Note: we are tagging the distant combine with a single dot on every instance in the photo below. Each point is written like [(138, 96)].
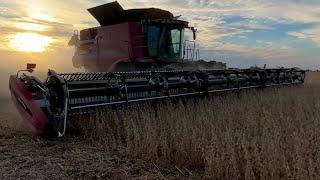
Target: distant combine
[(136, 55)]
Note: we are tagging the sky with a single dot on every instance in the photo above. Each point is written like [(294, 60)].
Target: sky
[(242, 33)]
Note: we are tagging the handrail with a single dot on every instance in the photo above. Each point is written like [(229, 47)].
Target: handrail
[(190, 52)]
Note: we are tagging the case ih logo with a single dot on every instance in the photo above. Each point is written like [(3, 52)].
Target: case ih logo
[(22, 103)]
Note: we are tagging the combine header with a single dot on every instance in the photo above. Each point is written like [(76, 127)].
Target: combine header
[(48, 105)]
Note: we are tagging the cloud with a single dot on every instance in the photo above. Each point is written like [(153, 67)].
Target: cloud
[(264, 52), (312, 34)]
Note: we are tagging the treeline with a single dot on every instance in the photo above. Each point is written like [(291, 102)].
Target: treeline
[(211, 64)]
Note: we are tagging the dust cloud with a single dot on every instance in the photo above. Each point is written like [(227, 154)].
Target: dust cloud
[(11, 62)]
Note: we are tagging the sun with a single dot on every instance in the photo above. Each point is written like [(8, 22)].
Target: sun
[(29, 42)]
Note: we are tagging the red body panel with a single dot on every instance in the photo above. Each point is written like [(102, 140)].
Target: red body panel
[(102, 48), (27, 107)]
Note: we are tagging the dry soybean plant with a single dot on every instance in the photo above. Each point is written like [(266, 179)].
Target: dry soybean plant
[(268, 134)]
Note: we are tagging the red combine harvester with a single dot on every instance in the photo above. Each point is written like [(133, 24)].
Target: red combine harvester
[(147, 41), (134, 39)]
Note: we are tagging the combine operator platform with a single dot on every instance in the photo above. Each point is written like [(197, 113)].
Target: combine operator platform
[(48, 105)]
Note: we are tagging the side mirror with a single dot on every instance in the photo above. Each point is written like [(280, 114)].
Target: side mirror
[(194, 31)]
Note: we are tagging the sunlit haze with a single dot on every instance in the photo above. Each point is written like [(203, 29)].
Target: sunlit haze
[(29, 42)]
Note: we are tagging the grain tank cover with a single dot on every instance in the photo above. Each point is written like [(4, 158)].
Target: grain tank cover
[(113, 13)]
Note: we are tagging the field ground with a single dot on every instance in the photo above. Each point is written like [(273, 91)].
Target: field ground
[(270, 134), (25, 156)]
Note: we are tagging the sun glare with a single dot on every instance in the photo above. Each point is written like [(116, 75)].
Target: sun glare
[(29, 42)]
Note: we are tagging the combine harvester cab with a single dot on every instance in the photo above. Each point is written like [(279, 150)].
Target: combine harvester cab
[(140, 38)]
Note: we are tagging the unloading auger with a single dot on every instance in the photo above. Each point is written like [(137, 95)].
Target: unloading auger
[(48, 105)]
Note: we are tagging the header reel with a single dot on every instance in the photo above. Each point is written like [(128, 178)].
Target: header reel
[(48, 105)]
